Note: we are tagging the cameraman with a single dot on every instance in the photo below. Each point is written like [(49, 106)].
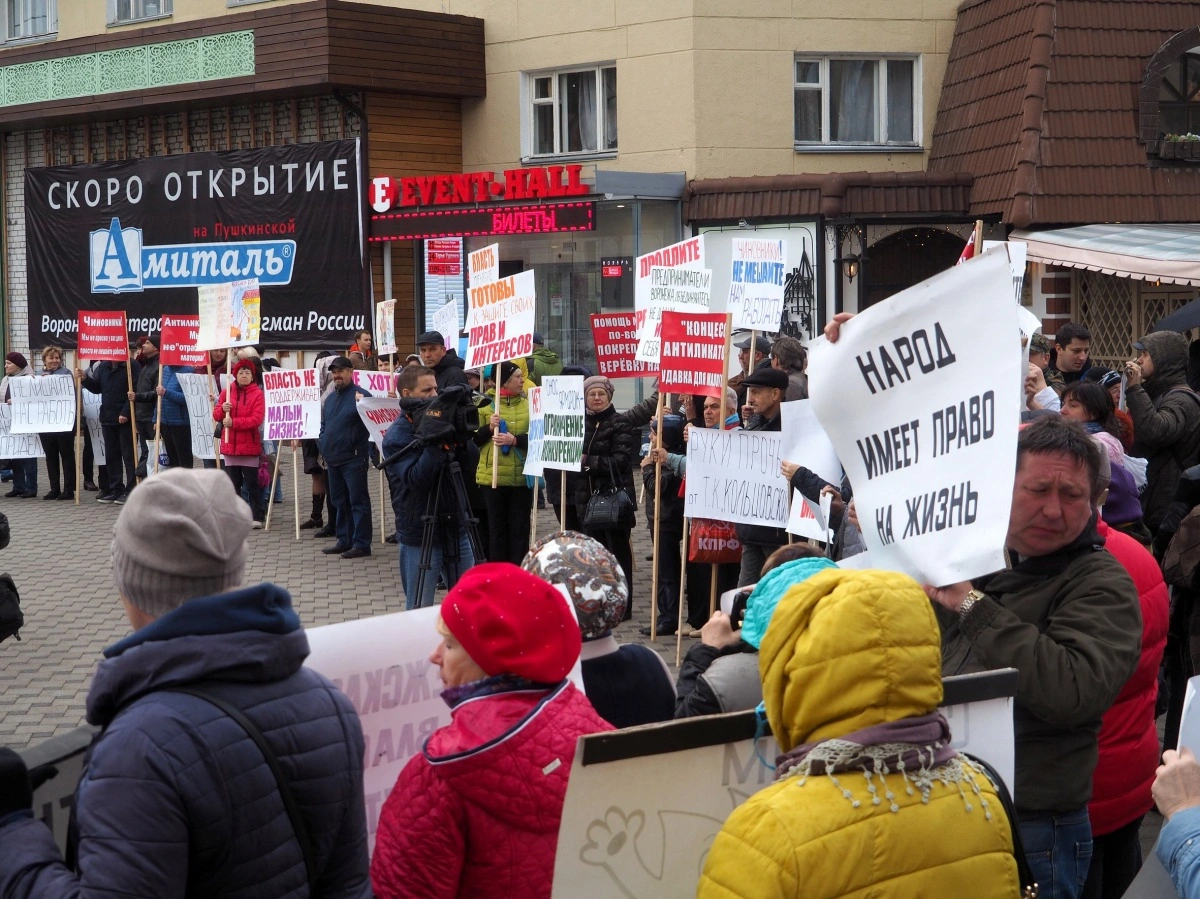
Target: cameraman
[(416, 474)]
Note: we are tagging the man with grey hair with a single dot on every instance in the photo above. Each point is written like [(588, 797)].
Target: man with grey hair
[(1066, 615), (789, 355), (223, 766)]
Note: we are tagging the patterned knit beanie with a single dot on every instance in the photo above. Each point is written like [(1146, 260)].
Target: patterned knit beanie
[(591, 574)]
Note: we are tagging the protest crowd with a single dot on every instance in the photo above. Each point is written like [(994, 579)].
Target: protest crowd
[(224, 765)]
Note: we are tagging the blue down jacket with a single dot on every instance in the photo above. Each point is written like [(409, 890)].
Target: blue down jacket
[(176, 799)]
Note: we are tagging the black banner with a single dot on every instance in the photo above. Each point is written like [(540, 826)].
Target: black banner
[(142, 235)]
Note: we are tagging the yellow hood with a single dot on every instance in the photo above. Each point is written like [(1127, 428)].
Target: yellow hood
[(847, 650)]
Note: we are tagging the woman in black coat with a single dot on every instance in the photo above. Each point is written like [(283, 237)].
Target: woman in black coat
[(610, 448)]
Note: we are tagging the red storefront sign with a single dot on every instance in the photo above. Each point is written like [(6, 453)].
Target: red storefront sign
[(692, 355), (536, 183), (103, 335), (444, 257), (180, 333), (616, 341), (486, 222)]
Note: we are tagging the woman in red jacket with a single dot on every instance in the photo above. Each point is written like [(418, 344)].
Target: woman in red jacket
[(240, 409), (1128, 738), (476, 813)]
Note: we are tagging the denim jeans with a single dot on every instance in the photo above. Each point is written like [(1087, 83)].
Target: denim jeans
[(25, 472), (1059, 849), (450, 569), (352, 500)]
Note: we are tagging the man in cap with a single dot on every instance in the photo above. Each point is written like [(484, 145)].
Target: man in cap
[(544, 362), (177, 796), (761, 359), (447, 367), (345, 444), (765, 389), (1043, 384)]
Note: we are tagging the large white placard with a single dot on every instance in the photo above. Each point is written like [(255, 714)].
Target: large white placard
[(91, 419), (806, 443), (563, 422), (43, 405), (17, 446), (500, 320), (1028, 324), (537, 433), (484, 265), (1018, 256), (378, 413), (445, 322), (685, 254), (734, 476), (230, 314), (293, 400), (671, 290), (920, 398), (385, 328), (638, 820), (376, 383), (756, 284), (200, 410)]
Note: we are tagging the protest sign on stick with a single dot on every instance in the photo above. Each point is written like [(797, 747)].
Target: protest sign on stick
[(677, 289), (615, 337), (293, 404), (533, 453), (200, 413), (734, 476), (920, 398), (91, 420), (445, 322), (484, 265), (756, 284), (693, 353), (806, 443), (563, 422), (685, 254), (378, 413), (17, 446), (656, 441), (103, 336), (180, 334), (43, 405), (376, 383), (385, 328), (230, 314), (500, 320)]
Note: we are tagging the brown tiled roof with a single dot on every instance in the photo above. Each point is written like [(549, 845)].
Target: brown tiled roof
[(1041, 104), (832, 195)]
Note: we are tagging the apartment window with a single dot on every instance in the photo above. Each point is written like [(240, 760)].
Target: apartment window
[(30, 18), (857, 101), (122, 11), (571, 111)]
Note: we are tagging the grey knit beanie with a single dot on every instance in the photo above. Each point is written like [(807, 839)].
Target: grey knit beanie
[(181, 535)]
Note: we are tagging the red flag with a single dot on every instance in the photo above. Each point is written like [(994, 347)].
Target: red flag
[(968, 251)]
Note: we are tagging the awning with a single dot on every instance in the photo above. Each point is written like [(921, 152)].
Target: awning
[(1168, 253)]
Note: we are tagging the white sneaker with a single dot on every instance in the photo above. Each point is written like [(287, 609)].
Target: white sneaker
[(258, 526)]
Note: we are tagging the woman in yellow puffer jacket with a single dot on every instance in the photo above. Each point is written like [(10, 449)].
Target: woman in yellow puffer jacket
[(509, 502), (869, 798)]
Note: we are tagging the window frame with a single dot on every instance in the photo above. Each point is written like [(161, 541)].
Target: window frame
[(114, 22), (49, 35), (884, 145), (528, 104), (233, 4)]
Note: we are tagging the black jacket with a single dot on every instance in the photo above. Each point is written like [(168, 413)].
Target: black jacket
[(610, 449), (144, 390), (451, 370), (761, 535), (696, 694), (109, 380)]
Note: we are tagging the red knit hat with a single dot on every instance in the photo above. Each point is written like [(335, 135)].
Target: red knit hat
[(511, 622), (243, 363)]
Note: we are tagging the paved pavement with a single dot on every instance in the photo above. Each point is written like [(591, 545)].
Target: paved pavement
[(59, 558)]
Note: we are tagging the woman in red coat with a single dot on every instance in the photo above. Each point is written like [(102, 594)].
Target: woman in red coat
[(241, 409), (1128, 738), (476, 813)]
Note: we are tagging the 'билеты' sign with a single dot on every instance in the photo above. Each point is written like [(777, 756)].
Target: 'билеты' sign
[(920, 397), (293, 404), (500, 320), (102, 336), (563, 410), (152, 230), (615, 336), (693, 353)]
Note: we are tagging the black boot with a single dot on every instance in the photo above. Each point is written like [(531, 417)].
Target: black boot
[(315, 520)]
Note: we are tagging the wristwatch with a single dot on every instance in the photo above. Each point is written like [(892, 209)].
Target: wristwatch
[(973, 597)]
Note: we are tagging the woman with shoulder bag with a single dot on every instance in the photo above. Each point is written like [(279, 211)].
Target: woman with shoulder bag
[(506, 425), (601, 500)]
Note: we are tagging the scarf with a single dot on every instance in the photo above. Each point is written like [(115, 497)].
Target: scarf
[(917, 749), (1093, 427), (490, 686)]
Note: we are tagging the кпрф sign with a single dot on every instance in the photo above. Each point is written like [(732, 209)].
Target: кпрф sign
[(143, 235)]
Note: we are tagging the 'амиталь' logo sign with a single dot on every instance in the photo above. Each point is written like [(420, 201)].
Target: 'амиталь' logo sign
[(119, 263)]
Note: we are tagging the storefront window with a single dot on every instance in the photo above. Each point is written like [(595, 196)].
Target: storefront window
[(577, 274)]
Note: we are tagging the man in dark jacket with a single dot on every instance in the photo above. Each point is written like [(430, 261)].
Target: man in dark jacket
[(110, 381), (345, 445), (765, 389), (670, 525), (1166, 418), (176, 798), (1072, 349), (752, 360), (1067, 616), (416, 499), (145, 397), (447, 367)]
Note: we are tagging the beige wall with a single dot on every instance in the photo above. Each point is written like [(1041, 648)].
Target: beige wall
[(704, 86)]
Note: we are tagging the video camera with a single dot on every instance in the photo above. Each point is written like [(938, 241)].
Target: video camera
[(448, 418)]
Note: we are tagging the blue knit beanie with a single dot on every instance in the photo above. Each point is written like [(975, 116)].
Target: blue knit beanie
[(762, 602)]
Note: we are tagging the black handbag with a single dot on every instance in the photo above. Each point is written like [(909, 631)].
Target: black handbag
[(610, 508), (1029, 888)]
